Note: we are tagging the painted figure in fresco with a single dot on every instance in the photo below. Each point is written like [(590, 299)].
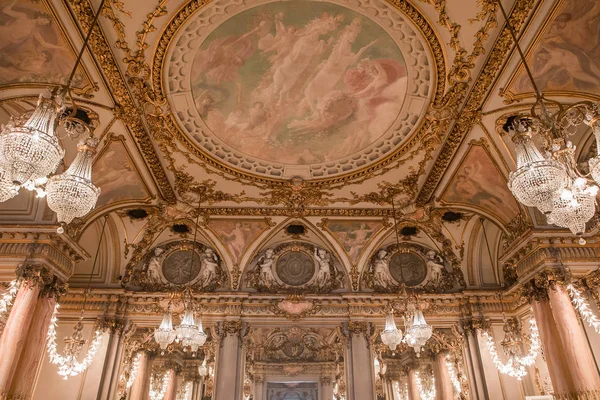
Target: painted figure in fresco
[(154, 265), (25, 50), (324, 273), (435, 267), (568, 55), (333, 69), (221, 61), (236, 240), (307, 45), (208, 267), (306, 90), (265, 263), (381, 268)]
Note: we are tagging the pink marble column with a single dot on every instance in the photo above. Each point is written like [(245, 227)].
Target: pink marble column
[(171, 392), (413, 390), (577, 353), (557, 367), (13, 339), (443, 383), (32, 353), (141, 383)]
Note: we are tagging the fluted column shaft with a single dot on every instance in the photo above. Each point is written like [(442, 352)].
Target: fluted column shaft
[(413, 389), (577, 353), (229, 367), (14, 337), (172, 386), (443, 383), (141, 383), (33, 350)]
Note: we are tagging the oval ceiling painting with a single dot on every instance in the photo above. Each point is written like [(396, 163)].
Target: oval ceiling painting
[(297, 88), (294, 84)]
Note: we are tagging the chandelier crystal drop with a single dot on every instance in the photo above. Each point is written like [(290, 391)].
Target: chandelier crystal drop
[(68, 363), (165, 334), (8, 189), (391, 335), (419, 332), (537, 180), (31, 151), (72, 194)]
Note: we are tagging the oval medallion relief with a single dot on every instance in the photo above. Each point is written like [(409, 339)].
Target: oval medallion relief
[(176, 267), (408, 268), (295, 268)]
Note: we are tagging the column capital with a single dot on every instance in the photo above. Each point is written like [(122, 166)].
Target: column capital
[(359, 328), (40, 275), (473, 324)]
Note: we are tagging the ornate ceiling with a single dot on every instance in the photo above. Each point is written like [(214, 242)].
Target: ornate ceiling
[(321, 115)]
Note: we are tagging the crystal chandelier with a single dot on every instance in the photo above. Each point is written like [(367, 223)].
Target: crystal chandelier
[(419, 332), (135, 366), (68, 363), (189, 332), (164, 335), (391, 335), (30, 151), (550, 179), (72, 194)]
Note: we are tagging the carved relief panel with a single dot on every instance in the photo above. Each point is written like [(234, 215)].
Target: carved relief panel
[(295, 267), (176, 264), (412, 265)]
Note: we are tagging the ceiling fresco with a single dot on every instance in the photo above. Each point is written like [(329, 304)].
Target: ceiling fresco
[(298, 88), (565, 56), (33, 47), (249, 116)]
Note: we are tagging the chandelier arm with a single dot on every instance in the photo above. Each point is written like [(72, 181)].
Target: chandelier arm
[(83, 47), (538, 94)]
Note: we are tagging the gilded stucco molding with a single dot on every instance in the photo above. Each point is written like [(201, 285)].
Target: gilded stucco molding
[(126, 109), (204, 161), (470, 112)]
